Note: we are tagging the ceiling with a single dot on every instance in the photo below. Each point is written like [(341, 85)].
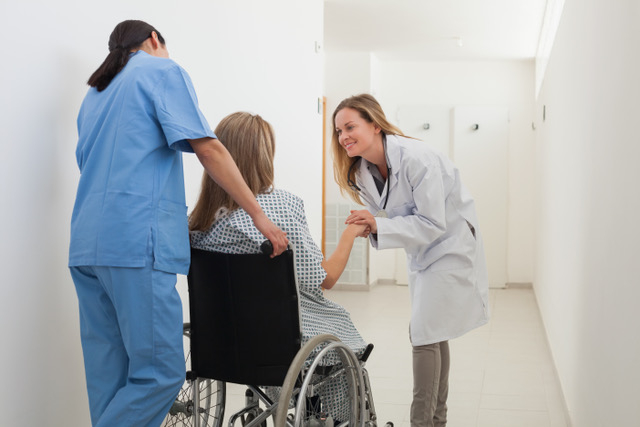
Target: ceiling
[(435, 29)]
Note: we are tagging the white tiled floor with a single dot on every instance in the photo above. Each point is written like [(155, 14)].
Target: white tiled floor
[(501, 374)]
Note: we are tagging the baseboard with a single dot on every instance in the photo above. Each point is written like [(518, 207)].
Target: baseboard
[(565, 407), (519, 285), (384, 282), (351, 287), (365, 287)]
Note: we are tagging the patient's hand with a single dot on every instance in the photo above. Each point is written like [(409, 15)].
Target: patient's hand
[(335, 264), (360, 230), (363, 217)]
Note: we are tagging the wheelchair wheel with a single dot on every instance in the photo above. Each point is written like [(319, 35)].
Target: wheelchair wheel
[(209, 410), (326, 390), (252, 416)]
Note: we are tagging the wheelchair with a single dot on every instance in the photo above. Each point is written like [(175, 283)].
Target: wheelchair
[(245, 329)]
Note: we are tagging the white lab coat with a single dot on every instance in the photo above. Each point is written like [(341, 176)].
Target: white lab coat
[(432, 216)]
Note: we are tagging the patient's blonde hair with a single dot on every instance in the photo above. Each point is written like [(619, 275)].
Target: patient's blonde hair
[(251, 142)]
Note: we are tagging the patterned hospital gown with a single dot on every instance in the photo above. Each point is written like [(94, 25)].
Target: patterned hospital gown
[(234, 232)]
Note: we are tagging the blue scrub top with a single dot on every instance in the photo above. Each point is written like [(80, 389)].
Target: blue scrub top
[(131, 192)]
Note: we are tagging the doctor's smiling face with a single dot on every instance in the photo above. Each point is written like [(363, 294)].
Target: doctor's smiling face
[(356, 135)]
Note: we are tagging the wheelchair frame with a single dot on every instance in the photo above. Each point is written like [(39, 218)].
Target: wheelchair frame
[(202, 400)]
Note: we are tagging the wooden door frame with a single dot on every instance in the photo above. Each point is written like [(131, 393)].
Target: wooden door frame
[(324, 182)]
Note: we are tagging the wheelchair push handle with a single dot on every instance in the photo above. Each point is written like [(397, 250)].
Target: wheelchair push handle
[(266, 247)]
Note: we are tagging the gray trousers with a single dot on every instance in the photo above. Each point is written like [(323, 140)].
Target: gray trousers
[(430, 385)]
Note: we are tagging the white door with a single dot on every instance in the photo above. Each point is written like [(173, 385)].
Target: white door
[(481, 156), (430, 124)]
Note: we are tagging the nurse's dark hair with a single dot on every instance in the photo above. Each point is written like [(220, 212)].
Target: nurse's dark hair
[(371, 111), (126, 36), (251, 142)]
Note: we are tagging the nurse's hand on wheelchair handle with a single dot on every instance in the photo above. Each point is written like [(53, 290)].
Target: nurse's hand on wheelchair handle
[(271, 232), (267, 248)]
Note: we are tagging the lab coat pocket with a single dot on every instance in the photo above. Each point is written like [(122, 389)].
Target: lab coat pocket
[(460, 254), (171, 251)]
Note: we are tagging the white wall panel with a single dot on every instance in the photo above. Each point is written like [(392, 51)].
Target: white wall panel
[(242, 55), (587, 270)]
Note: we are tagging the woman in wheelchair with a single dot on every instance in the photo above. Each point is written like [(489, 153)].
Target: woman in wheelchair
[(218, 224)]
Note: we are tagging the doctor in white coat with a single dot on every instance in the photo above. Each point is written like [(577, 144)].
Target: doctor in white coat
[(415, 201)]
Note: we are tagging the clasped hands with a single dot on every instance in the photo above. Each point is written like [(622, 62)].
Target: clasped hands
[(364, 221)]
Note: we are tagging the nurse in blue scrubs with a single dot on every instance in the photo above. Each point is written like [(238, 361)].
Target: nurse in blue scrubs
[(129, 233)]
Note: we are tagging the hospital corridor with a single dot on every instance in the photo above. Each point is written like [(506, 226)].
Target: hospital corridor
[(535, 102), (502, 374)]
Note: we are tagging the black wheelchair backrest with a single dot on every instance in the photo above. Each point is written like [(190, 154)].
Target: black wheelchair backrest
[(245, 322)]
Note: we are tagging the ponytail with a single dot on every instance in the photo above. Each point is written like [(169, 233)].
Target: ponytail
[(115, 61), (126, 36)]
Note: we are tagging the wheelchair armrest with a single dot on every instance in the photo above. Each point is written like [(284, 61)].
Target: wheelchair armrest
[(367, 353)]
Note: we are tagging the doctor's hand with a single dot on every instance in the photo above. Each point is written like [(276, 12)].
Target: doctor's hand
[(363, 217)]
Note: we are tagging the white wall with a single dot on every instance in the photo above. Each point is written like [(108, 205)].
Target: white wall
[(587, 273), (453, 83), (346, 74), (242, 55)]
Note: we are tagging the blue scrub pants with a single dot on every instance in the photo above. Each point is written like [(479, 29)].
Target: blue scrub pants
[(131, 330)]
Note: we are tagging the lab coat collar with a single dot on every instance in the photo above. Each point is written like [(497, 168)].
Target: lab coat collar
[(394, 158), (365, 179)]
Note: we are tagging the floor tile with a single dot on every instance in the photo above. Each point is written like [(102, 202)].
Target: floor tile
[(511, 418), (502, 374)]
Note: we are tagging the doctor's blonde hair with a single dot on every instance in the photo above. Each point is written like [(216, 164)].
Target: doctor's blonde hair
[(251, 142), (371, 111)]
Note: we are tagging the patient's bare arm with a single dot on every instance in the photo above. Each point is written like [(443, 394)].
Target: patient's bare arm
[(335, 264)]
